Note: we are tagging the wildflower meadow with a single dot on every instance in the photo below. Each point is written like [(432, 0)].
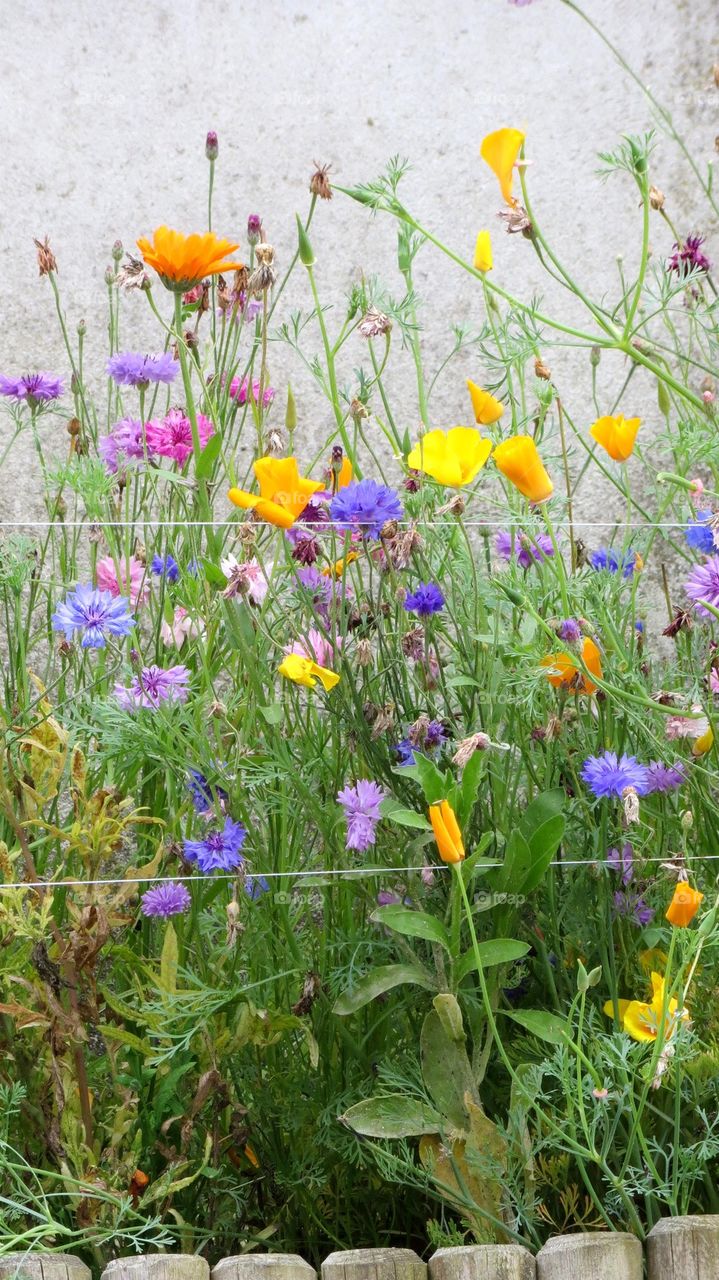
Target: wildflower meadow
[(358, 804)]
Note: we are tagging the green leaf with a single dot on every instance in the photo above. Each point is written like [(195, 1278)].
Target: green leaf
[(436, 785), (446, 1069), (273, 713), (213, 575), (168, 960), (379, 980), (404, 817), (392, 1117), (545, 1026), (411, 923), (492, 952), (469, 788), (208, 457), (109, 1031)]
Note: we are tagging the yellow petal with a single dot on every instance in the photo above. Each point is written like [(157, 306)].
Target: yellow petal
[(483, 260), (486, 408), (328, 678), (500, 150)]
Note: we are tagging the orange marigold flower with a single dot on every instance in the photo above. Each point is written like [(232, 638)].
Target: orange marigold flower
[(684, 905), (562, 671), (500, 150), (182, 262), (446, 832), (518, 460), (616, 435)]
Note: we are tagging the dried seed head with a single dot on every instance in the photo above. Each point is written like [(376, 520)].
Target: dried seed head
[(630, 800), (656, 198), (320, 183), (46, 260), (364, 652), (468, 746), (358, 411), (74, 427), (541, 370), (275, 442), (374, 324), (412, 643), (264, 275), (456, 506), (132, 275), (517, 220)]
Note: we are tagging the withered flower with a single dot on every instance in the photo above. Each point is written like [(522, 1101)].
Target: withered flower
[(264, 275), (517, 219), (46, 260), (374, 324), (319, 182)]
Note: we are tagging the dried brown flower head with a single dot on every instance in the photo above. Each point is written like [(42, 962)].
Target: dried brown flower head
[(132, 275), (46, 260), (264, 275), (374, 324), (517, 220), (656, 198), (541, 370), (319, 182)]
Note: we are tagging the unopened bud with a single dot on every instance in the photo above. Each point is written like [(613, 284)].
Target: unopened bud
[(595, 356), (117, 250), (81, 328), (211, 146), (656, 198), (109, 275), (254, 229)]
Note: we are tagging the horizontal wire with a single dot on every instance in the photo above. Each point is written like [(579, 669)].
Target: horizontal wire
[(319, 527)]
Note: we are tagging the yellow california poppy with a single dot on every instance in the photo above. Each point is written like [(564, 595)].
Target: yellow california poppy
[(500, 150), (451, 457), (642, 1020), (483, 259), (518, 460), (486, 408), (446, 832), (183, 261), (306, 672), (616, 434), (283, 495)]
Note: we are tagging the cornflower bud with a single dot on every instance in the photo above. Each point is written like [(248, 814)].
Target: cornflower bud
[(211, 146)]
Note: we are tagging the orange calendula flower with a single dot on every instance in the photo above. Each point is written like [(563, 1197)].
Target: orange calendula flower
[(518, 460), (283, 495), (306, 672), (183, 261), (616, 435), (642, 1020), (500, 150), (446, 832), (451, 457), (684, 905), (483, 260), (486, 409), (562, 671)]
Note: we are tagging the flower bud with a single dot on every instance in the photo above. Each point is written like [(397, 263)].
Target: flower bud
[(211, 146), (254, 228), (656, 198), (117, 251)]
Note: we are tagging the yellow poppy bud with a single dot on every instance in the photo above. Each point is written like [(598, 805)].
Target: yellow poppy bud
[(684, 905), (518, 460), (486, 409), (704, 743), (483, 260), (616, 435), (446, 832)]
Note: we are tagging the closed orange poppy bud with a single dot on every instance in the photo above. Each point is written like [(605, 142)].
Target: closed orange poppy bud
[(518, 460), (446, 832), (684, 905), (616, 434)]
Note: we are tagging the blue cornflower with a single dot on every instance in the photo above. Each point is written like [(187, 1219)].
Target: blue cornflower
[(220, 850), (404, 752), (427, 599), (605, 558), (166, 567), (665, 777), (569, 630), (365, 506), (37, 389), (205, 794), (698, 534), (132, 369), (255, 886), (96, 613), (610, 774)]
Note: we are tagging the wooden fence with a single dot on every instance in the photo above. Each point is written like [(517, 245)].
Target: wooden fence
[(676, 1249)]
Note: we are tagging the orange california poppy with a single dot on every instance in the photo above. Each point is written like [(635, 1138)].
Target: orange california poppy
[(446, 832), (183, 261), (518, 460), (684, 905), (562, 671), (500, 150), (616, 435), (485, 407)]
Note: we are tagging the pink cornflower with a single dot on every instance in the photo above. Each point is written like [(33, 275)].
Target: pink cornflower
[(686, 727), (244, 579), (107, 578), (182, 626), (239, 390), (697, 490), (316, 646), (171, 436)]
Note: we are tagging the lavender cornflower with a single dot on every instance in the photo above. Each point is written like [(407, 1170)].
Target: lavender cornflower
[(689, 256), (97, 614), (632, 905), (35, 388), (132, 369), (664, 777), (569, 630), (361, 805), (426, 600), (622, 862), (364, 506), (435, 735), (153, 686), (605, 558), (703, 584), (610, 774), (255, 886), (166, 567), (526, 551), (698, 534), (405, 753), (220, 850), (205, 794), (122, 445), (165, 900)]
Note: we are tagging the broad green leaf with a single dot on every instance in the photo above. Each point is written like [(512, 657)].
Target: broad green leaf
[(434, 783), (411, 923), (404, 817), (469, 787), (213, 575), (168, 960), (379, 980), (392, 1117), (492, 952), (446, 1069), (208, 457), (545, 1026), (274, 713)]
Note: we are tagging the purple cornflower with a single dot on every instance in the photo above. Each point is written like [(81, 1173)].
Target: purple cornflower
[(364, 506), (698, 534), (35, 388), (166, 567), (526, 550), (361, 805), (386, 898), (220, 850), (255, 886), (305, 547), (664, 777), (98, 614), (435, 735), (632, 905), (254, 228), (165, 900), (205, 794), (153, 686), (426, 600), (123, 444), (703, 584), (622, 861), (605, 558), (689, 257), (404, 752), (132, 369), (610, 774), (569, 630)]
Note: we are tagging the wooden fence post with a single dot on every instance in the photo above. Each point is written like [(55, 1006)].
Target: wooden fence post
[(684, 1248), (483, 1262), (42, 1266), (264, 1266), (374, 1264), (158, 1266), (598, 1255)]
